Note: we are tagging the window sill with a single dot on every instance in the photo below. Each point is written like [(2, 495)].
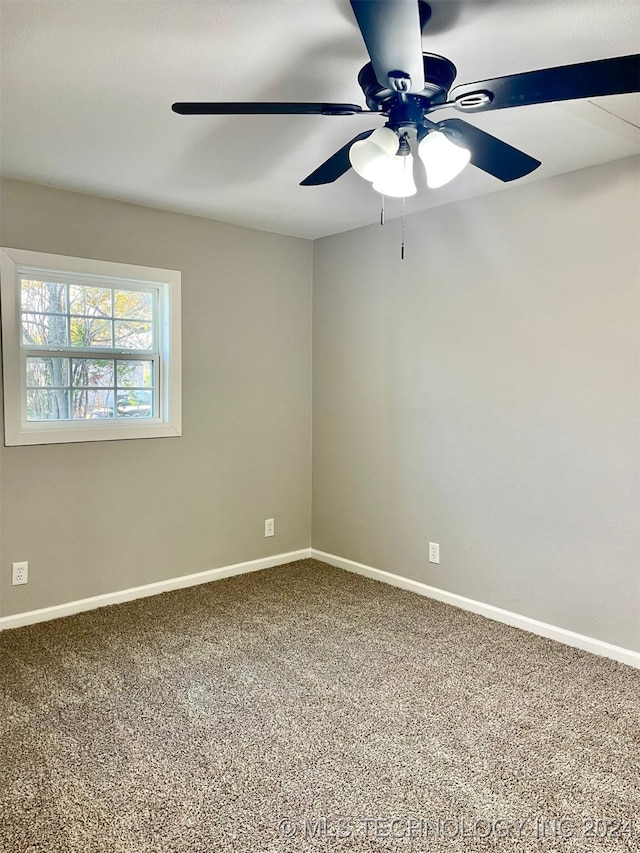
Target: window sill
[(65, 433)]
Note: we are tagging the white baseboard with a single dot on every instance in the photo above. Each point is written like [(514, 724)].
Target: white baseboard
[(552, 632), (59, 610)]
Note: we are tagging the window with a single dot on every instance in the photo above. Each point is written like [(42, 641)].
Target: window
[(91, 349)]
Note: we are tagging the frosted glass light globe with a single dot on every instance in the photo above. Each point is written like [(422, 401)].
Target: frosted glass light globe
[(443, 160), (397, 180), (370, 157)]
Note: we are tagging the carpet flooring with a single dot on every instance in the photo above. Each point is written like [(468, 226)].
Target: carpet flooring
[(302, 709)]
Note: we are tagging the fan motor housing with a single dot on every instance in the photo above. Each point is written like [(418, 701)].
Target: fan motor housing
[(439, 74)]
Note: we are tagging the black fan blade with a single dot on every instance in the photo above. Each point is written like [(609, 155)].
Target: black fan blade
[(490, 154), (335, 166), (565, 83), (234, 108), (393, 37), (424, 12)]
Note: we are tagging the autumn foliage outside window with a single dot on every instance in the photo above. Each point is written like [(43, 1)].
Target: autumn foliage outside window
[(90, 325)]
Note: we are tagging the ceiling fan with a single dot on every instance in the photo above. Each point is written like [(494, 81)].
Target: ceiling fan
[(406, 85)]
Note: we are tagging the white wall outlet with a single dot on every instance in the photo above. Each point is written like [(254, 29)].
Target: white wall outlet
[(20, 573), (434, 552), (269, 527)]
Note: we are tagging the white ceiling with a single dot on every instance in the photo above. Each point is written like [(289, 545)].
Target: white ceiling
[(87, 88)]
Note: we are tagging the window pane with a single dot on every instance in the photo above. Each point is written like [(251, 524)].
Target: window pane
[(47, 372), (90, 403), (133, 305), (90, 333), (135, 374), (44, 330), (95, 301), (43, 296), (47, 405), (133, 335), (92, 371), (135, 404)]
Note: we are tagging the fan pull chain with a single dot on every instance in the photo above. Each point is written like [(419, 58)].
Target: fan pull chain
[(382, 212), (404, 209)]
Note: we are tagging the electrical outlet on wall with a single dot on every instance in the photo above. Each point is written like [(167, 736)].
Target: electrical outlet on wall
[(20, 573), (269, 527), (434, 552)]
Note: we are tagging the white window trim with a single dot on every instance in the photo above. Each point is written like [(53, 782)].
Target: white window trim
[(18, 431)]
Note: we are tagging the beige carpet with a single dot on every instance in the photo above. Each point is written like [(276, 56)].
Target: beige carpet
[(306, 709)]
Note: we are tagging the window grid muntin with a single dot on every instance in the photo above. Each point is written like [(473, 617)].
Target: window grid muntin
[(114, 284), (113, 353), (153, 390)]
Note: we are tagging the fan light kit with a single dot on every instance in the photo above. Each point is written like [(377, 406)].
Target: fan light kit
[(405, 85), (385, 160)]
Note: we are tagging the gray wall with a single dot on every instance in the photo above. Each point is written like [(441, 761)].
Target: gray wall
[(97, 517), (485, 394)]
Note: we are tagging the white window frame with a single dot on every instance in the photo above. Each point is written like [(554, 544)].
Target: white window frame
[(168, 422)]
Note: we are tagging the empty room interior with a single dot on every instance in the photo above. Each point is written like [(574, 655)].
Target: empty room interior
[(320, 470)]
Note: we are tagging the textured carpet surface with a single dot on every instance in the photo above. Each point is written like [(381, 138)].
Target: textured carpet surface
[(306, 709)]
